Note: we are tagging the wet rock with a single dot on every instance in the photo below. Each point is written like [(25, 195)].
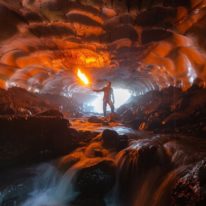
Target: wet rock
[(88, 201), (96, 179), (190, 188), (110, 139), (34, 139), (105, 123), (123, 142), (21, 102), (18, 101), (85, 137), (67, 105), (175, 119), (95, 119), (168, 110), (136, 165), (114, 117), (6, 110), (51, 112), (95, 150)]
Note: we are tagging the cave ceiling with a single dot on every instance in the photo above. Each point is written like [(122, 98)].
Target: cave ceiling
[(137, 44)]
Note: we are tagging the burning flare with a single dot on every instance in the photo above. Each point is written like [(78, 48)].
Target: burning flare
[(82, 77)]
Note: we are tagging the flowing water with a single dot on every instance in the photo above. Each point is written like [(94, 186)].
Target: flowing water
[(146, 173), (149, 167)]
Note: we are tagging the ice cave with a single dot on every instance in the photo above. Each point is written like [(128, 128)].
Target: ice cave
[(102, 102)]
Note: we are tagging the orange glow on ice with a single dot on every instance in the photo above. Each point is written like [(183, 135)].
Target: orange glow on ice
[(90, 60)]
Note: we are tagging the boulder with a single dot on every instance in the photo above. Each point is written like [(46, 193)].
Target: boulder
[(82, 200), (95, 119), (51, 112), (191, 186), (114, 117), (34, 138), (95, 179), (18, 101), (110, 139)]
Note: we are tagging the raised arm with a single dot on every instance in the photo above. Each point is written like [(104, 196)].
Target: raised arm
[(98, 90)]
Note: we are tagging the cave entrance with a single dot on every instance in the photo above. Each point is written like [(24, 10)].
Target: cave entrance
[(95, 105)]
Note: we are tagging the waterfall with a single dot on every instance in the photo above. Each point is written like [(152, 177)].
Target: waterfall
[(146, 174), (50, 187), (149, 168)]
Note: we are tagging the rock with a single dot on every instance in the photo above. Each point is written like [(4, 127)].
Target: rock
[(95, 179), (19, 101), (105, 123), (34, 138), (191, 186), (64, 141), (138, 163), (84, 137), (110, 139), (95, 119), (175, 118), (114, 117), (154, 122), (95, 150), (66, 105), (168, 110), (6, 110), (88, 201), (51, 112), (123, 142), (113, 141)]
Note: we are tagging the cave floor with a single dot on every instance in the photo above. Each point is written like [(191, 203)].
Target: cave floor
[(31, 184), (83, 124)]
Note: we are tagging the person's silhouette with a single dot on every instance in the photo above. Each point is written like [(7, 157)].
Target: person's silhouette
[(108, 97)]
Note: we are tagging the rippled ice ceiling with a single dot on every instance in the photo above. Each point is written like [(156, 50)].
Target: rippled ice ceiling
[(137, 44)]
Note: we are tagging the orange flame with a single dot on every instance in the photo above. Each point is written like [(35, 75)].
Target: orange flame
[(82, 77)]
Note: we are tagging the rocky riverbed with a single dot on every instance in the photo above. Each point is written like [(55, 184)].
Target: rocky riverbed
[(50, 160)]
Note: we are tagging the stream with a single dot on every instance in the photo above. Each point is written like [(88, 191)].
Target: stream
[(146, 171)]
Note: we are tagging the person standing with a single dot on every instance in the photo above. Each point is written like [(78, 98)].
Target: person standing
[(108, 98)]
